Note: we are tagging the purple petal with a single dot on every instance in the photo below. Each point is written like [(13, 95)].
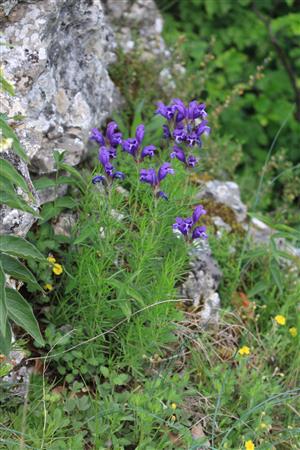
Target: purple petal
[(198, 212), (97, 136), (148, 151), (111, 129), (164, 170), (192, 161), (178, 153), (183, 225), (109, 169), (161, 194), (179, 135), (130, 146), (140, 132), (103, 156), (112, 152), (119, 175), (166, 132), (199, 232), (98, 179), (148, 176), (180, 108), (202, 128), (165, 111)]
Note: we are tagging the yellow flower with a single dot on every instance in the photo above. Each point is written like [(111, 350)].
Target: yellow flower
[(51, 259), (173, 405), (263, 425), (57, 269), (249, 445), (244, 350), (48, 287), (293, 331), (173, 418), (281, 320)]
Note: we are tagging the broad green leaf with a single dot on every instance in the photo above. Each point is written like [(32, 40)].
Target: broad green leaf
[(3, 308), (21, 312), (8, 171), (8, 132), (46, 182), (66, 202), (13, 267), (17, 246), (5, 341), (14, 201), (86, 232)]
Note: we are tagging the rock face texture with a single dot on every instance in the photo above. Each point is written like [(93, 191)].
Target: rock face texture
[(58, 65), (137, 24)]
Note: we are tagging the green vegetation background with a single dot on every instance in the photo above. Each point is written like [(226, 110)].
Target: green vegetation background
[(243, 59)]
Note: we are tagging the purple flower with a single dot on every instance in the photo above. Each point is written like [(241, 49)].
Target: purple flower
[(164, 170), (178, 153), (112, 136), (166, 132), (148, 151), (186, 226), (112, 152), (202, 128), (119, 175), (165, 111), (191, 161), (180, 109), (132, 145), (192, 139), (98, 179), (161, 194), (198, 212), (179, 135), (140, 132), (199, 232), (196, 110), (97, 136), (103, 156), (148, 176), (109, 169), (183, 225)]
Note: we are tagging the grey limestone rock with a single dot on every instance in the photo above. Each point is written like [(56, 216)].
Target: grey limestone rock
[(202, 282), (228, 193), (58, 64)]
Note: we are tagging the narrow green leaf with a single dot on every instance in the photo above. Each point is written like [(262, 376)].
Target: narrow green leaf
[(17, 246), (3, 308), (13, 267), (21, 312), (5, 341), (8, 132), (276, 274), (8, 171), (6, 86), (75, 174)]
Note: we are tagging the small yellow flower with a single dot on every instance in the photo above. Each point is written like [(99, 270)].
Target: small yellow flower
[(281, 320), (173, 406), (263, 425), (51, 259), (57, 269), (249, 445), (293, 331), (244, 350), (48, 287)]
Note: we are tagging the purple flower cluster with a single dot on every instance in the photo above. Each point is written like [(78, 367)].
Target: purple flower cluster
[(108, 150), (133, 146), (187, 226), (154, 179), (186, 125)]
